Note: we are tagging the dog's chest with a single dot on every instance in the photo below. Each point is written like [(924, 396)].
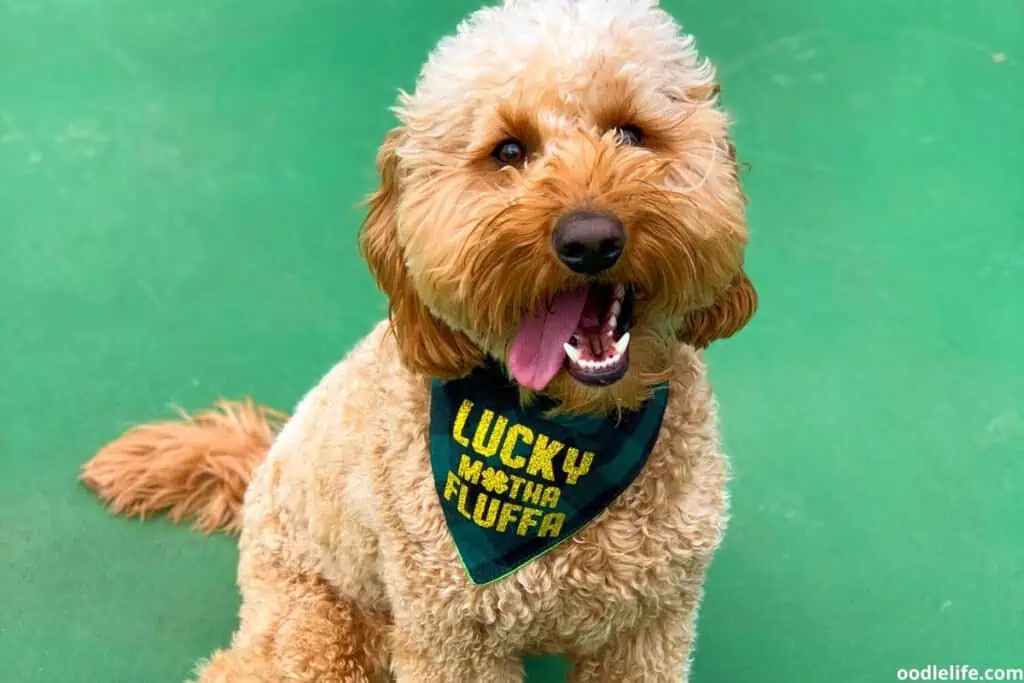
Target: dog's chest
[(646, 553)]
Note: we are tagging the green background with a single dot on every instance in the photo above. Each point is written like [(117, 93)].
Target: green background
[(177, 183)]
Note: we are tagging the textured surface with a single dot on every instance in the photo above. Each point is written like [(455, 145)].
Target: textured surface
[(176, 224)]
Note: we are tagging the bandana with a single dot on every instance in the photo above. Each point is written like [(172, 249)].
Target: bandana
[(515, 482)]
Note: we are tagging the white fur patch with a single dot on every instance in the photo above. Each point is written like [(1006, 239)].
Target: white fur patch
[(565, 42)]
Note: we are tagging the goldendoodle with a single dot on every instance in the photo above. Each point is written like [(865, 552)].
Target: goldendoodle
[(524, 458)]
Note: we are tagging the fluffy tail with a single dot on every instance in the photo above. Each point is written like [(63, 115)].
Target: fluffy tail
[(197, 467)]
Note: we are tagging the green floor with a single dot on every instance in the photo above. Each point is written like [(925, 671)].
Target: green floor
[(176, 191)]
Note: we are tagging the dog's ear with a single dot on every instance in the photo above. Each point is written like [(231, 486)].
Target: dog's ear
[(426, 344), (734, 307), (731, 310)]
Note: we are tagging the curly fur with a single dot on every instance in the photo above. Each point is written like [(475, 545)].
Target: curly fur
[(195, 468), (347, 571)]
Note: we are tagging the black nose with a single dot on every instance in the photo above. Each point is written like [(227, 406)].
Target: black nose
[(589, 242)]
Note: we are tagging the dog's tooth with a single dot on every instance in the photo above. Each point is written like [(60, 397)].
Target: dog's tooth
[(613, 321), (616, 308), (620, 291), (572, 352), (622, 344)]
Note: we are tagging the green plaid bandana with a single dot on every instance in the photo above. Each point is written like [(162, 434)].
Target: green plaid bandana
[(514, 482)]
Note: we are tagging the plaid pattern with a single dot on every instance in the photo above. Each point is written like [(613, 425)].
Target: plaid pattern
[(513, 506)]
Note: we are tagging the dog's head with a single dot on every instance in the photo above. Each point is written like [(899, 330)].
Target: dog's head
[(561, 194)]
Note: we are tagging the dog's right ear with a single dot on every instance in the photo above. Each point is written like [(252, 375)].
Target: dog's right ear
[(427, 345)]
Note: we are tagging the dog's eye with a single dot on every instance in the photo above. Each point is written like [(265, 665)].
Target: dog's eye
[(509, 152), (630, 135)]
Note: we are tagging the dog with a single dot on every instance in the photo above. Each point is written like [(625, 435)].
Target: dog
[(560, 231)]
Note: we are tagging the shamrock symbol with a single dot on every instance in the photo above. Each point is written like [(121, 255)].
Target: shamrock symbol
[(495, 481)]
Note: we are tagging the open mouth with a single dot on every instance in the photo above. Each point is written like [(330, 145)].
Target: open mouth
[(598, 351), (584, 330)]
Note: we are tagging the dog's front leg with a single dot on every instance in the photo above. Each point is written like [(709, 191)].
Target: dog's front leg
[(435, 655), (657, 652)]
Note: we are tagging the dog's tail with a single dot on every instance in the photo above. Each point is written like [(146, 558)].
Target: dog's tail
[(196, 468)]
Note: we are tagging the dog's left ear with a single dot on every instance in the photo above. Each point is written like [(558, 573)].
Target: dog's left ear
[(730, 312), (734, 307), (426, 344)]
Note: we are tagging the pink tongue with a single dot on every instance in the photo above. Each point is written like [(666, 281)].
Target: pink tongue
[(537, 355)]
